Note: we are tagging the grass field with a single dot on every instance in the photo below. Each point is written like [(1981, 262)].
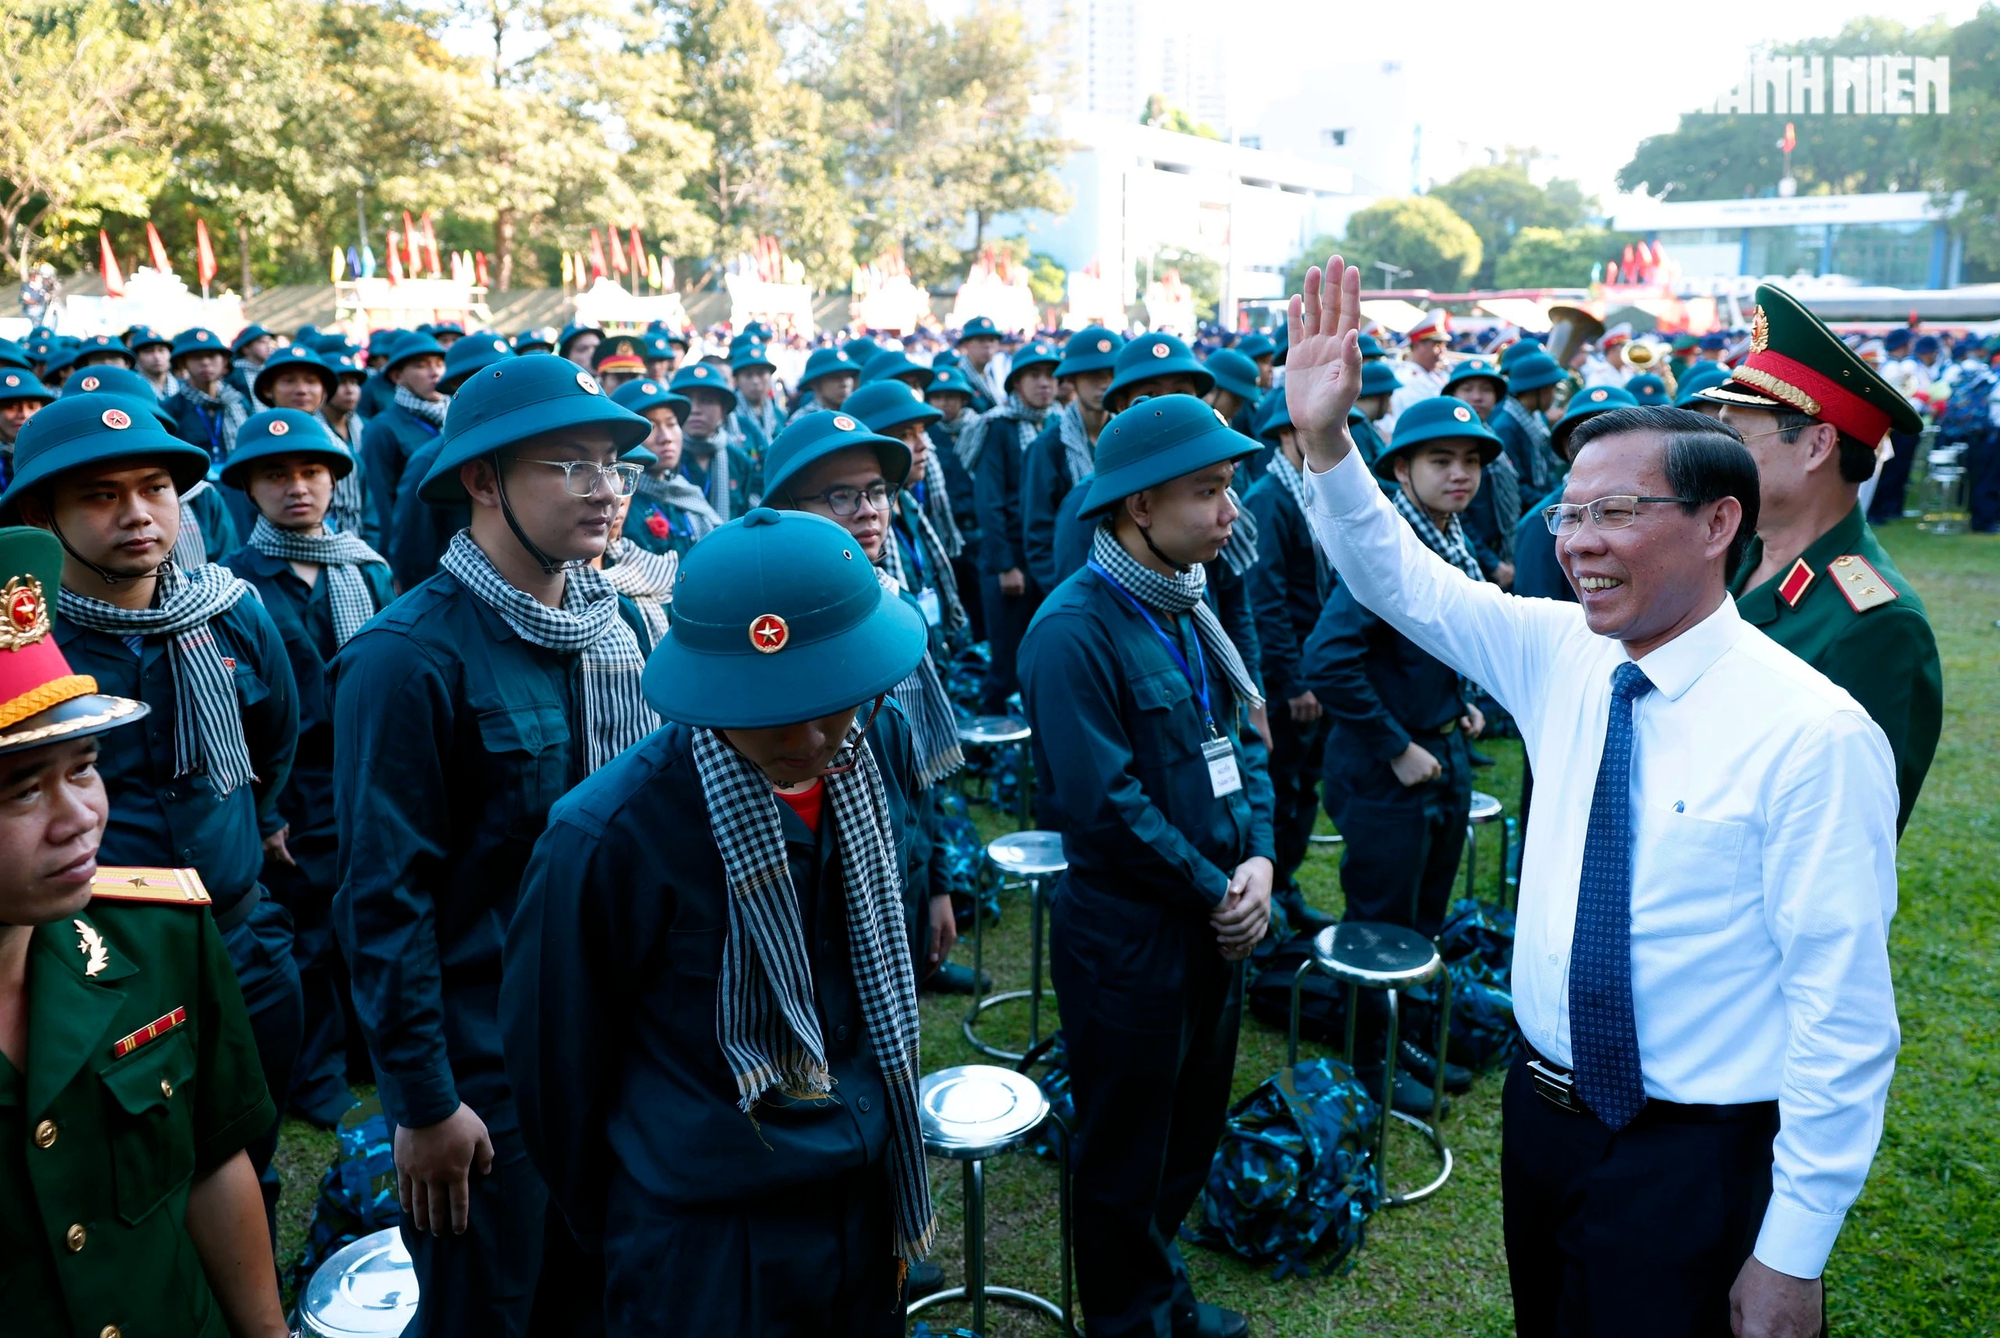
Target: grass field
[(1909, 1261)]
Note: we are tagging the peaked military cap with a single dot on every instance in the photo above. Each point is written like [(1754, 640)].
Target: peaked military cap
[(621, 353), (41, 699), (1796, 363)]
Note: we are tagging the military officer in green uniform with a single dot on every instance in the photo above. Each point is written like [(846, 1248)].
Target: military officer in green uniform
[(129, 1079), (1815, 580)]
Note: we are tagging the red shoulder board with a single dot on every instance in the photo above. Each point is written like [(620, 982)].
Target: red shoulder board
[(182, 887), (1793, 588), (1862, 584)]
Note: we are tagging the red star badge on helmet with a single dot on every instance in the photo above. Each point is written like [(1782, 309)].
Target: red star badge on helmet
[(768, 633)]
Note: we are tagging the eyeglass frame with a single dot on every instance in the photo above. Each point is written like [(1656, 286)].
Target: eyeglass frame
[(1552, 515), (613, 474), (825, 496)]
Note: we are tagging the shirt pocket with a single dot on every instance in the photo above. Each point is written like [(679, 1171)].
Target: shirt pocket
[(250, 685), (150, 1121), (1684, 874), (1158, 739), (528, 755)]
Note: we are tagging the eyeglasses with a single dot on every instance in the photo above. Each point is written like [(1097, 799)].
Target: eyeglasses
[(580, 477), (1607, 513), (844, 501)]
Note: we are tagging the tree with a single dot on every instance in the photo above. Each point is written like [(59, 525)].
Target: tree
[(1200, 273), (72, 140), (1163, 115), (1047, 280), (1499, 201), (1417, 233), (1556, 258), (1959, 149)]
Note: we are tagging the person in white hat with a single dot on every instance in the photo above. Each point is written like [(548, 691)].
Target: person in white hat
[(1422, 371)]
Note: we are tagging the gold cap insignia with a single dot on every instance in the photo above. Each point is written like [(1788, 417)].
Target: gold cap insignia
[(27, 613), (768, 633), (1760, 330)]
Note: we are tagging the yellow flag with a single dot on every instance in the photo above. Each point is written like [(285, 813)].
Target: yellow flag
[(653, 272), (339, 265), (568, 274)]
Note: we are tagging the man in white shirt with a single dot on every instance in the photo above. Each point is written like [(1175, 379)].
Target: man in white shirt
[(1701, 967)]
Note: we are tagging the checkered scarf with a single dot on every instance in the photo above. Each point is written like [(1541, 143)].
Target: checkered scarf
[(208, 718), (1027, 424), (1173, 596), (1448, 543), (1294, 483), (350, 498), (677, 491), (615, 714), (1542, 463), (1079, 453), (431, 411), (933, 722), (765, 1020), (191, 546), (1240, 552), (718, 472), (937, 510), (647, 579), (341, 556), (937, 563), (228, 403)]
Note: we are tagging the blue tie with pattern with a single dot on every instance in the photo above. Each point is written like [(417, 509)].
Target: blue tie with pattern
[(1603, 1041)]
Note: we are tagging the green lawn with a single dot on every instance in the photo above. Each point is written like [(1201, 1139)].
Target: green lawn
[(1908, 1262)]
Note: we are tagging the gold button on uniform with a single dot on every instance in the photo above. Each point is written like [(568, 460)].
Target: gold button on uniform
[(45, 1134), (166, 1088), (108, 1331), (75, 1237)]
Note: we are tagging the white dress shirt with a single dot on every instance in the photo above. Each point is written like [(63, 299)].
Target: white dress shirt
[(1418, 384), (1763, 828)]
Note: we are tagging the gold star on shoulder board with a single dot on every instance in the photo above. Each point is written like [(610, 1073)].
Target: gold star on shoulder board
[(1860, 583)]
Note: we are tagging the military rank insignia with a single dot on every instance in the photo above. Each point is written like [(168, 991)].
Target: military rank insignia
[(174, 886), (1793, 588), (1862, 584), (149, 1033)]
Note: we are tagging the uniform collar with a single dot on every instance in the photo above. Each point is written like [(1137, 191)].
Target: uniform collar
[(69, 1011), (1673, 668), (1762, 605)]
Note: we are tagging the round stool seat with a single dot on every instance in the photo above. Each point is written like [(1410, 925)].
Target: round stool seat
[(1029, 854), (976, 1110), (370, 1287), (1485, 808), (1378, 955), (993, 731)]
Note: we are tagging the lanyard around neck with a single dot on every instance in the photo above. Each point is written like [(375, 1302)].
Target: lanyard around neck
[(1196, 674)]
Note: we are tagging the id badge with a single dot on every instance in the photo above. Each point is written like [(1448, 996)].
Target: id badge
[(933, 610), (1223, 777)]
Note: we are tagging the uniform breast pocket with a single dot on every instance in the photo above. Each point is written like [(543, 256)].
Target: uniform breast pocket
[(527, 762), (151, 1122), (1684, 873), (250, 686), (1158, 739)]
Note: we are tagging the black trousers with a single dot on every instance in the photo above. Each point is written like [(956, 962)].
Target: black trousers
[(1007, 619), (1296, 761), (809, 1262), (1402, 844), (1637, 1234), (319, 1089), (1150, 1014), (1894, 480), (260, 948), (482, 1284), (1982, 476)]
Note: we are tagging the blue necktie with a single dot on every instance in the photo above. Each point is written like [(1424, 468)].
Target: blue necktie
[(1603, 1041)]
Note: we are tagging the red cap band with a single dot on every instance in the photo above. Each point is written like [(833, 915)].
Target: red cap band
[(1830, 401)]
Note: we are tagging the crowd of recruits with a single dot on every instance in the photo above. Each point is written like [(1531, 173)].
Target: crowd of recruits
[(400, 817)]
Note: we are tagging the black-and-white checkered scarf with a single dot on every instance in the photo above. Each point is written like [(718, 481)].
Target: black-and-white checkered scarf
[(1173, 596), (228, 404), (645, 578), (615, 714), (431, 411), (340, 556), (1294, 483), (765, 1019), (208, 717), (1448, 543), (933, 722), (680, 492), (1026, 422), (718, 472), (1542, 463), (1079, 452), (350, 497), (1240, 552), (937, 510), (191, 545)]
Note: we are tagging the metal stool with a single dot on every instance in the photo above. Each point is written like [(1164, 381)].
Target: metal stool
[(1025, 859), (368, 1288), (971, 1113), (1391, 959), (1001, 731), (1485, 809)]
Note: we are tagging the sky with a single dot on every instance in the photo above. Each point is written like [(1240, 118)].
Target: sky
[(1567, 80)]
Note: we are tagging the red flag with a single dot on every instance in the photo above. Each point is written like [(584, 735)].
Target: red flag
[(114, 281), (204, 254), (158, 248), (1791, 140), (431, 243), (617, 251), (638, 253), (479, 268), (597, 266), (395, 260), (410, 265)]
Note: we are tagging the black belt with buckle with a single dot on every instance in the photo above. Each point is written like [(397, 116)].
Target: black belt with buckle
[(1557, 1086)]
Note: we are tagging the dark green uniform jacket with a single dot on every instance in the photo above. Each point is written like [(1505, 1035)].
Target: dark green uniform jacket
[(98, 1149), (609, 1003), (451, 741), (1883, 653)]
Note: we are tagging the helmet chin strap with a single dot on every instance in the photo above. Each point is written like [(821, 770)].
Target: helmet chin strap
[(1147, 536), (109, 578), (550, 566)]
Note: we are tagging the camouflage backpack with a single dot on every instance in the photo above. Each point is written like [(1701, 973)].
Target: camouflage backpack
[(1293, 1175), (1477, 944), (357, 1195)]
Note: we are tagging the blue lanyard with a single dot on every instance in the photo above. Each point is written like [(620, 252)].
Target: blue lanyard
[(214, 426), (1197, 675), (916, 552)]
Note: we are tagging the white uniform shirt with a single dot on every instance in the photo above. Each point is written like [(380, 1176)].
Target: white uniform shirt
[(1598, 371), (1418, 384), (1763, 828)]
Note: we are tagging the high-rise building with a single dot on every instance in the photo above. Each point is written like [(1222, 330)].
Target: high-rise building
[(1108, 57)]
